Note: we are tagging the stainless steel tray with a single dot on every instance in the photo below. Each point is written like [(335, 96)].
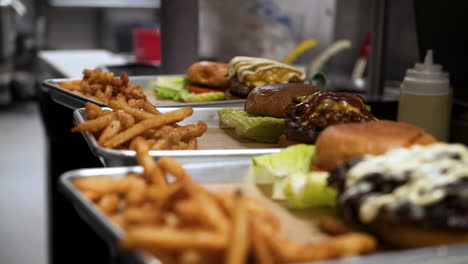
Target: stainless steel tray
[(74, 101), (232, 172), (114, 158)]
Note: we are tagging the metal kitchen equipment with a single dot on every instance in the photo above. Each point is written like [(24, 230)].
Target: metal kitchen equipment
[(8, 10), (234, 172), (75, 101), (116, 157)]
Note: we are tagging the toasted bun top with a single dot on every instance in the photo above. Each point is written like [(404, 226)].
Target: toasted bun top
[(209, 73), (340, 143), (270, 100)]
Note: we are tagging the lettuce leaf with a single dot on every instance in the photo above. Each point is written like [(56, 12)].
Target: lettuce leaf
[(290, 177), (228, 117), (304, 190), (271, 167), (170, 87), (203, 97), (259, 128)]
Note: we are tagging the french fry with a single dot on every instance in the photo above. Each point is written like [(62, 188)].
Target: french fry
[(181, 222), (171, 238), (188, 211), (239, 239), (117, 220), (125, 185), (112, 129), (163, 131), (125, 119), (171, 220), (180, 145), (175, 168), (189, 131), (109, 203), (148, 107), (332, 225), (93, 111), (163, 143), (144, 159), (105, 112), (136, 113), (101, 185), (156, 121), (149, 133), (211, 213), (139, 104), (261, 251), (165, 257), (136, 215), (104, 86), (95, 124), (136, 196), (190, 257), (92, 195), (124, 77), (192, 144), (70, 85)]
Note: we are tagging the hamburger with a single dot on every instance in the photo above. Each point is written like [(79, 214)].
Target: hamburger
[(263, 118), (410, 197), (246, 73), (207, 76), (308, 116), (272, 99), (342, 142)]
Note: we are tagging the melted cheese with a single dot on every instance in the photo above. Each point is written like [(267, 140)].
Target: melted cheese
[(430, 169), (259, 71)]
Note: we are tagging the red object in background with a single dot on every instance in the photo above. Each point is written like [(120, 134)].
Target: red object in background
[(365, 48), (147, 45)]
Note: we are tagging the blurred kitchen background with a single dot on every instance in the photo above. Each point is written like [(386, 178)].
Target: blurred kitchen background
[(267, 28), (58, 38)]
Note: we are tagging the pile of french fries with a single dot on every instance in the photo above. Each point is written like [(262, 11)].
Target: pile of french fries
[(104, 86), (139, 120), (164, 213)]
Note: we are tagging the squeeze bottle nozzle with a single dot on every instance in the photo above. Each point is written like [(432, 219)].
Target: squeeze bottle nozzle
[(428, 61)]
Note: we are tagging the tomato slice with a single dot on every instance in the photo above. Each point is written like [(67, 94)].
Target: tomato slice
[(195, 89), (317, 168)]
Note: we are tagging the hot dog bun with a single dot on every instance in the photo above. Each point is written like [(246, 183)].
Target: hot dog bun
[(340, 143)]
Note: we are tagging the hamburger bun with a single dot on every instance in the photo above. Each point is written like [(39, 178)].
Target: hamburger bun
[(408, 236), (208, 73), (340, 143), (271, 99)]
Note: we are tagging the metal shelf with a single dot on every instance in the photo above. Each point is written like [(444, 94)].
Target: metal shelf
[(106, 3)]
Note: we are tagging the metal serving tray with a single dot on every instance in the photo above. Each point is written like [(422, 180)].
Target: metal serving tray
[(74, 101), (114, 157), (234, 172)]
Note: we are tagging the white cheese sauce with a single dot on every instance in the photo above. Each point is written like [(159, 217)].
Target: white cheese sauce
[(429, 168)]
